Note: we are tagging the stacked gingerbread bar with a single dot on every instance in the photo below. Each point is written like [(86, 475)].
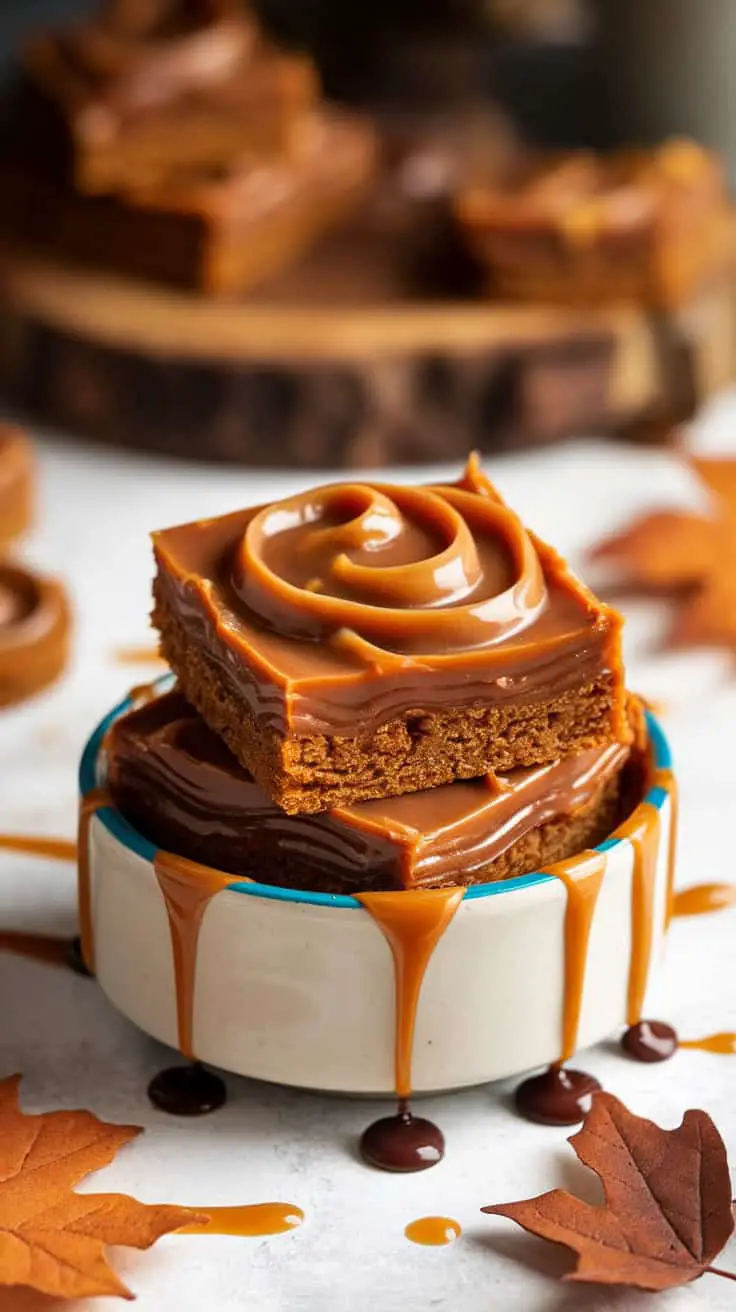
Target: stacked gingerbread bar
[(174, 141), (378, 687)]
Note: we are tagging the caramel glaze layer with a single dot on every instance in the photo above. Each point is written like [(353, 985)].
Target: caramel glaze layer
[(175, 780), (337, 610)]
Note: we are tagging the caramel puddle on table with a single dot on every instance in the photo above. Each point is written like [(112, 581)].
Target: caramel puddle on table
[(413, 923), (95, 800), (433, 1231), (723, 1045), (188, 889), (701, 899), (250, 1220)]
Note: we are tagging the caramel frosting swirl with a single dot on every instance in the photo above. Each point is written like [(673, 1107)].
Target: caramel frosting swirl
[(406, 570)]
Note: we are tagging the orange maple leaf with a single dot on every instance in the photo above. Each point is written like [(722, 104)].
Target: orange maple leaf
[(689, 557), (667, 1210), (51, 1238)]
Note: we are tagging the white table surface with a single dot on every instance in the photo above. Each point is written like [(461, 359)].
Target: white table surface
[(272, 1144)]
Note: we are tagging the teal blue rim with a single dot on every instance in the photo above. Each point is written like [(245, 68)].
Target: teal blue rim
[(129, 837)]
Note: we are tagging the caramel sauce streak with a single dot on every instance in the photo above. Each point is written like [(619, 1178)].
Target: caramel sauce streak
[(582, 877), (53, 849), (249, 1220), (642, 830), (37, 947), (95, 800), (138, 656), (722, 1044), (666, 780), (700, 899), (187, 889), (413, 923)]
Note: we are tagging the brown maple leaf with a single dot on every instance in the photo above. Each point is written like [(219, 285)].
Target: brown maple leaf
[(51, 1238), (689, 557), (667, 1210)]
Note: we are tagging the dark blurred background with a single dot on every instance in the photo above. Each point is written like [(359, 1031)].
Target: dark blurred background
[(431, 54)]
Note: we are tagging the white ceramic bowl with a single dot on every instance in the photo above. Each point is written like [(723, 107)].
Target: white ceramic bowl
[(298, 988)]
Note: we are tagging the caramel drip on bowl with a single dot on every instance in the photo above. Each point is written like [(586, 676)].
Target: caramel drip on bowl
[(665, 779), (187, 889), (413, 922), (642, 829), (249, 1220), (582, 876), (93, 801), (701, 899)]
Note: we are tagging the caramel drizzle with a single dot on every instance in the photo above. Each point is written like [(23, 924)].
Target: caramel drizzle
[(53, 849), (582, 876), (722, 1044), (37, 947), (413, 922), (249, 1220), (93, 801), (700, 899), (642, 830), (187, 888)]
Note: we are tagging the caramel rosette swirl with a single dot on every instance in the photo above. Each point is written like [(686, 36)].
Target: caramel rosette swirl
[(388, 569)]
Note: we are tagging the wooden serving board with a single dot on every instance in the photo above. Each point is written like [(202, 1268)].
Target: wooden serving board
[(339, 365)]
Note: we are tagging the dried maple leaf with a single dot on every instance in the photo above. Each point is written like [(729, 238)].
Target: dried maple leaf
[(690, 556), (667, 1210), (52, 1239)]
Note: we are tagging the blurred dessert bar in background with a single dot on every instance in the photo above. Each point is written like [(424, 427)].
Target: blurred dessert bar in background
[(645, 226)]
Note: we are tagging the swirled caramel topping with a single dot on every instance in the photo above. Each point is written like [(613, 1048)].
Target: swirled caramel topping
[(406, 570), (34, 632)]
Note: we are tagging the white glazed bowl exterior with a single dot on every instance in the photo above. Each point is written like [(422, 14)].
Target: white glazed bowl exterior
[(298, 988)]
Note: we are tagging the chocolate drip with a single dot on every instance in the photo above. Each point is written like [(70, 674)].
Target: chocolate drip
[(650, 1041), (402, 1143), (556, 1097), (187, 1091)]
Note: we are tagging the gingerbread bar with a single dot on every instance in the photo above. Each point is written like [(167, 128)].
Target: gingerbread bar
[(644, 226), (223, 232), (112, 104), (177, 783), (361, 641)]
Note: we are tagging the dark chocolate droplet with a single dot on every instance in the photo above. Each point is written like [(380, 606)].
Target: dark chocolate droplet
[(556, 1097), (187, 1091), (74, 959), (650, 1040), (402, 1143)]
